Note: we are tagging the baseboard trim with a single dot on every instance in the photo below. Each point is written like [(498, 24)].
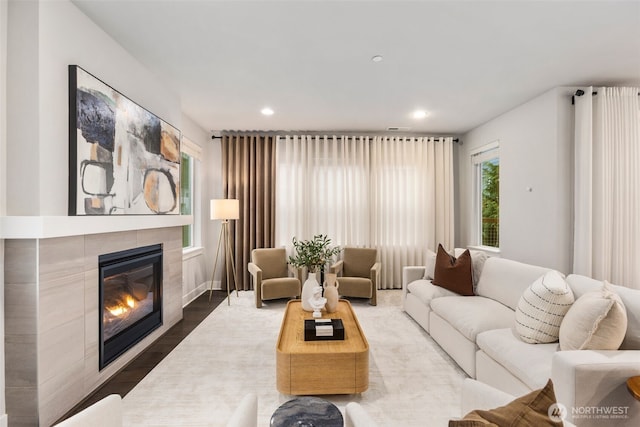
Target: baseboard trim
[(199, 290), (4, 420)]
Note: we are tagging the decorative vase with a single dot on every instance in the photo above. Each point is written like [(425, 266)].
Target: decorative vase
[(307, 291), (331, 292)]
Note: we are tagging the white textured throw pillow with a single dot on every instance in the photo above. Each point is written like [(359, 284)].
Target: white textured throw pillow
[(477, 263), (596, 321), (430, 266), (542, 307)]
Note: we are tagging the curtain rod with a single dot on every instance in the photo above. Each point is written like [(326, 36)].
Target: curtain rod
[(456, 140), (580, 92)]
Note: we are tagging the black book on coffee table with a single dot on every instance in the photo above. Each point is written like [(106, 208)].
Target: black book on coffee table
[(318, 329)]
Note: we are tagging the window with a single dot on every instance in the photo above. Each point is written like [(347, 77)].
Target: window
[(322, 188), (189, 200), (486, 185), (186, 197)]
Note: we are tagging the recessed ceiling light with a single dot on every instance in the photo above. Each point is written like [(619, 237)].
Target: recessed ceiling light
[(267, 111), (420, 114), (377, 58)]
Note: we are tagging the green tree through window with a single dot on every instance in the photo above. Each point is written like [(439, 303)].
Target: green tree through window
[(491, 203), (186, 196)]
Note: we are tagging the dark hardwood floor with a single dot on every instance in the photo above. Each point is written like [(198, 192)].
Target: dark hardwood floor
[(127, 378)]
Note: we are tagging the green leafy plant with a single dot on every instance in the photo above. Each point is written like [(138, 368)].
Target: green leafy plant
[(313, 254), (491, 203)]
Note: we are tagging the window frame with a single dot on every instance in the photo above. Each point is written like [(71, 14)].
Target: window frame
[(193, 151), (478, 157)]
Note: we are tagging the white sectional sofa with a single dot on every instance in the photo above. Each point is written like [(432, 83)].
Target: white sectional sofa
[(477, 332)]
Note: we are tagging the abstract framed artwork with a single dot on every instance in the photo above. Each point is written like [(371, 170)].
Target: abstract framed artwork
[(123, 160)]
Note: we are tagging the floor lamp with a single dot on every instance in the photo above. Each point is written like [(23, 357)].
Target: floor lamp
[(225, 210)]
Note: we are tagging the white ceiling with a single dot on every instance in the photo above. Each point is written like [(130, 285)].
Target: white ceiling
[(464, 61)]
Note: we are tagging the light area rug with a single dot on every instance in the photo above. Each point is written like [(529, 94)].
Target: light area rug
[(412, 381)]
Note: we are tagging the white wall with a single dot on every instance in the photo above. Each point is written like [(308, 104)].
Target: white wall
[(44, 38), (212, 176), (196, 270), (22, 109), (3, 106), (535, 152), (3, 187)]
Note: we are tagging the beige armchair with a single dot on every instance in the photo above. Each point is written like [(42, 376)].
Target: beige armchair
[(272, 275), (358, 273)]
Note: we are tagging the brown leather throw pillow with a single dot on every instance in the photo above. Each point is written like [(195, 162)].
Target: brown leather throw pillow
[(452, 273), (535, 409)]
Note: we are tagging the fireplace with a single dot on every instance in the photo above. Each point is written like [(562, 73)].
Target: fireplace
[(130, 299)]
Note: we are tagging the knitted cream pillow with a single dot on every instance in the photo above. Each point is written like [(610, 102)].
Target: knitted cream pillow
[(596, 321), (542, 307)]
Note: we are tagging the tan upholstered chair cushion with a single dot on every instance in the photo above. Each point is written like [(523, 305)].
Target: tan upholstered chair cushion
[(271, 276), (358, 262), (280, 287), (272, 262), (358, 287), (358, 273)]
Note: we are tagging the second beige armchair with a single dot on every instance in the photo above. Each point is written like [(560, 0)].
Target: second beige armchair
[(272, 276), (358, 272)]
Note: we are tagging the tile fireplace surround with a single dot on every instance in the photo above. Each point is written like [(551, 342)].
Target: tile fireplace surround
[(51, 314)]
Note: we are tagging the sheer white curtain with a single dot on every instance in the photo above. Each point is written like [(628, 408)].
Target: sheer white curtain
[(394, 194), (412, 201), (607, 185), (322, 188)]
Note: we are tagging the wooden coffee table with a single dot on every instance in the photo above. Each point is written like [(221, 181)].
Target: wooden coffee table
[(321, 367)]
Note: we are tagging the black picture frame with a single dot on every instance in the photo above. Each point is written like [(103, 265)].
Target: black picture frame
[(123, 159)]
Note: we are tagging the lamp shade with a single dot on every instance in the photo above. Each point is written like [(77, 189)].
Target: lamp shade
[(225, 209)]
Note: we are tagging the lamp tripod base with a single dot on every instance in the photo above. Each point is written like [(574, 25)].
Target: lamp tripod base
[(229, 263)]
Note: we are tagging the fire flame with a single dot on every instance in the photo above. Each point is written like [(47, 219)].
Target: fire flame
[(121, 309)]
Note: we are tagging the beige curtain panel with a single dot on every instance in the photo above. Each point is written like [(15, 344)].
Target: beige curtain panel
[(249, 175), (412, 192), (394, 194), (607, 185)]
